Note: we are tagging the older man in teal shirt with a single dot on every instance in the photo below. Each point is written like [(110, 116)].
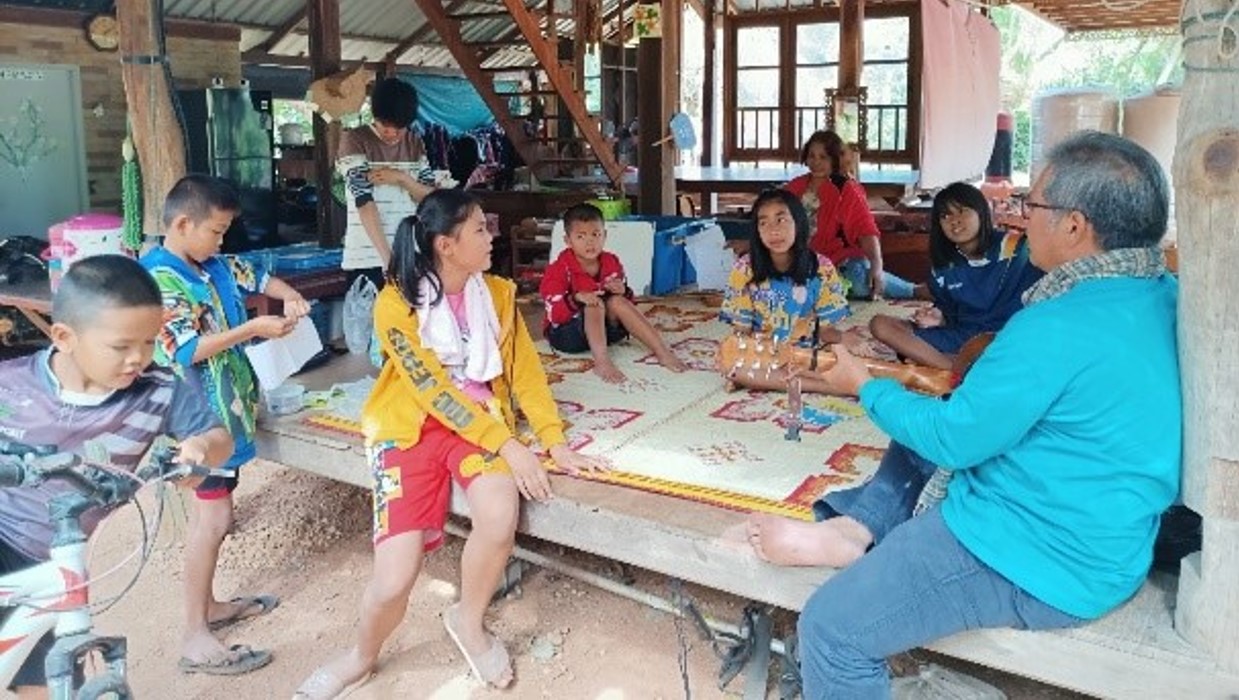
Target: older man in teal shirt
[(1064, 442)]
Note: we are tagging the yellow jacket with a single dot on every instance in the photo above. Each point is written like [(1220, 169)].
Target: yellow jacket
[(413, 384)]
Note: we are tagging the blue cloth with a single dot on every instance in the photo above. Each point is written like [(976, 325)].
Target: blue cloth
[(1063, 493), (451, 102), (978, 296), (856, 272), (918, 585)]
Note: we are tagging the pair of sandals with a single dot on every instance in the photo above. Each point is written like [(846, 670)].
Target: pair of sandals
[(488, 667), (240, 658)]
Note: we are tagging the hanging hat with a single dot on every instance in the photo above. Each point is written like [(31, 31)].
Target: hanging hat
[(341, 93)]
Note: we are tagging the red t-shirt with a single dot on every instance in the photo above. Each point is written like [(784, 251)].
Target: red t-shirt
[(839, 213), (564, 278)]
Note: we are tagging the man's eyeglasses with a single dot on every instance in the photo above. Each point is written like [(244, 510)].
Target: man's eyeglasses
[(1027, 207)]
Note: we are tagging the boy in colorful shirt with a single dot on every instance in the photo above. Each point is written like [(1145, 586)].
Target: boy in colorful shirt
[(94, 393), (588, 302), (204, 330)]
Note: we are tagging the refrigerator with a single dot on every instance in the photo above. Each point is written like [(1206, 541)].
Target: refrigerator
[(229, 133)]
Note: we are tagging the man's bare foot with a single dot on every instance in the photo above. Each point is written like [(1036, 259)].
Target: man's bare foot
[(673, 363), (609, 372), (836, 542)]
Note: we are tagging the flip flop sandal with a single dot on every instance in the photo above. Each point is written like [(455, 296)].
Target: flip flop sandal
[(241, 659), (325, 685), (487, 667), (245, 611)]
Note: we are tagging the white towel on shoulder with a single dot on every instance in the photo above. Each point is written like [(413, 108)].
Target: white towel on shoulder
[(477, 357)]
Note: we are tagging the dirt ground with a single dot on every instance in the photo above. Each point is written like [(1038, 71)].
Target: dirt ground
[(306, 539)]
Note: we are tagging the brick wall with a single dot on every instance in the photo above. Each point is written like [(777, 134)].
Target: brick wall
[(194, 62)]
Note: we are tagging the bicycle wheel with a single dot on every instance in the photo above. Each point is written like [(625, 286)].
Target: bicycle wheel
[(108, 686)]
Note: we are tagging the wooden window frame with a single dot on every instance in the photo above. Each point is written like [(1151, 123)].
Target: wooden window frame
[(787, 21)]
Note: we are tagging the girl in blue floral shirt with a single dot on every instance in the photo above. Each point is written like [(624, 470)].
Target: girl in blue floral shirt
[(781, 289)]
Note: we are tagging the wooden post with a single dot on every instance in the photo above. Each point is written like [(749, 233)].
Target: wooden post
[(324, 61), (672, 21), (1206, 177), (851, 42), (157, 135), (654, 174), (708, 96)]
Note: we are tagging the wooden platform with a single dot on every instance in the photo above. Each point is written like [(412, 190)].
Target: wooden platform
[(1133, 653)]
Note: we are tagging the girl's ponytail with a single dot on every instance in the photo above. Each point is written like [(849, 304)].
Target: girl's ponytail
[(413, 253)]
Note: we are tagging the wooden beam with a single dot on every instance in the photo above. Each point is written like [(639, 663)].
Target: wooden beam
[(470, 63), (181, 28), (1206, 170), (656, 190), (851, 43), (282, 31), (708, 92), (273, 59), (324, 16), (157, 135), (574, 101)]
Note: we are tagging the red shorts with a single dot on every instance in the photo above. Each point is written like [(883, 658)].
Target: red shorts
[(413, 486)]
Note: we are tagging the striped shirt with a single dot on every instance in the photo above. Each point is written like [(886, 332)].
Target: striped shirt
[(117, 433)]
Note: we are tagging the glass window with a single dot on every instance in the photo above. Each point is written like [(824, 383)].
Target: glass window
[(817, 43), (757, 87), (886, 38), (757, 46), (887, 83)]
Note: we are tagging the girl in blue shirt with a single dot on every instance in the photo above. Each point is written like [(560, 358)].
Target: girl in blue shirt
[(977, 277)]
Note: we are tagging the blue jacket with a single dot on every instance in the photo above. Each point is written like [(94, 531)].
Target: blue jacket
[(1065, 439), (980, 295)]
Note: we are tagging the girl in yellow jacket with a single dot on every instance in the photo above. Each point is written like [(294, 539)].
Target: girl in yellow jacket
[(457, 354)]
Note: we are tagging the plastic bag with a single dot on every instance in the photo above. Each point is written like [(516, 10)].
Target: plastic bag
[(359, 315), (934, 682)]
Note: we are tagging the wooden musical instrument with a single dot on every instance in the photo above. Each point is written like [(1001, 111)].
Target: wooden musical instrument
[(760, 357)]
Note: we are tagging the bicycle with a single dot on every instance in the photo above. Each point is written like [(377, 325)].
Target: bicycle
[(53, 595)]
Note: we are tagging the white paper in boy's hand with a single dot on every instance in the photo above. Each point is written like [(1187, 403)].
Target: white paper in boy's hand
[(277, 359)]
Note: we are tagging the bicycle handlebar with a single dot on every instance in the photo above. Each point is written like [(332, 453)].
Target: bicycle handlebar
[(29, 465)]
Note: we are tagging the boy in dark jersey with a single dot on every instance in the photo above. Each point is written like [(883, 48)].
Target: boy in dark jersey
[(94, 393)]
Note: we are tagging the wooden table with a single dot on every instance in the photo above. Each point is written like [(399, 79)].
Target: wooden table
[(890, 185), (34, 299), (705, 181), (1131, 653)]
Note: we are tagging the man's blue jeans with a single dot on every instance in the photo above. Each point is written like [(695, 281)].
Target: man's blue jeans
[(918, 584)]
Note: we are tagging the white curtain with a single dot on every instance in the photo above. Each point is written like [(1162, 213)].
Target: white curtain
[(960, 95)]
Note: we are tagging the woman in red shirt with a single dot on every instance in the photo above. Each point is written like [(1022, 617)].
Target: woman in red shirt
[(844, 228)]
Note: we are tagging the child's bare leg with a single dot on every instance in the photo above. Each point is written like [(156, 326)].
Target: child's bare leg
[(495, 505), (627, 314), (897, 333), (397, 561), (596, 334), (212, 520)]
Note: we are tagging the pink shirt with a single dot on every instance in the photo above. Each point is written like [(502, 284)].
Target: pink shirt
[(478, 391)]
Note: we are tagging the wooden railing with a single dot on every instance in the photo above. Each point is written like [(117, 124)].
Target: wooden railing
[(757, 128)]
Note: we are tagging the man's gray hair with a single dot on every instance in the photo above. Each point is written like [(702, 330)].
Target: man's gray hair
[(1119, 186)]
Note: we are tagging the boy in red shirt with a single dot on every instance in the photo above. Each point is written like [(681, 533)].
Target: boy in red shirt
[(588, 302)]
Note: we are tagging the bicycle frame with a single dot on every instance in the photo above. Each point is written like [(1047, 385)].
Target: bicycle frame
[(53, 596)]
